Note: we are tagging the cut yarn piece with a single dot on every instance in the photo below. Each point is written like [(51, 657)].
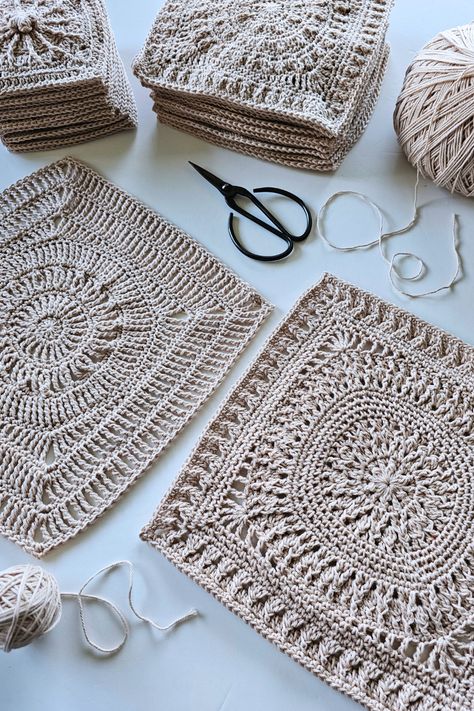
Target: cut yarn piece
[(31, 605), (393, 271)]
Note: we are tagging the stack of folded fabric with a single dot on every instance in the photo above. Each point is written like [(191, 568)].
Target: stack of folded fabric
[(61, 78), (290, 82)]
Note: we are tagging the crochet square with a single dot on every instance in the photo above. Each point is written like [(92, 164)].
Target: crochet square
[(115, 326), (293, 82), (49, 42), (330, 503), (61, 78)]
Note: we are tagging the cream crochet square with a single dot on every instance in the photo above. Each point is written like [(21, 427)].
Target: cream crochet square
[(61, 78), (307, 61), (330, 503), (45, 43), (115, 326)]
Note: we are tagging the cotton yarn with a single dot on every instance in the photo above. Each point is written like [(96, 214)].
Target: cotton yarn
[(394, 274), (434, 114), (30, 605)]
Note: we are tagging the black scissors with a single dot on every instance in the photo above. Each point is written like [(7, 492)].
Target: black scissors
[(230, 192)]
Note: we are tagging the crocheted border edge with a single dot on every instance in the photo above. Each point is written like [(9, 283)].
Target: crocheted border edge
[(265, 310), (247, 148), (148, 532)]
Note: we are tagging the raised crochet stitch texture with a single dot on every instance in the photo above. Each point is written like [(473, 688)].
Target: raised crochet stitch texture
[(61, 78), (330, 503), (115, 326), (294, 82), (41, 31)]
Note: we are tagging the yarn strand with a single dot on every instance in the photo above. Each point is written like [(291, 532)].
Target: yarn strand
[(393, 272), (31, 605), (81, 596)]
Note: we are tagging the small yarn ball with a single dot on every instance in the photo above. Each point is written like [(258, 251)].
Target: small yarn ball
[(434, 114), (30, 605)]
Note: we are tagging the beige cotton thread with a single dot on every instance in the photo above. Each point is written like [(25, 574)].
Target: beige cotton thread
[(30, 606), (394, 272), (434, 114)]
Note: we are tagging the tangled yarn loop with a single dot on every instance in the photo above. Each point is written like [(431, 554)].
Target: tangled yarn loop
[(30, 605), (434, 115), (393, 262)]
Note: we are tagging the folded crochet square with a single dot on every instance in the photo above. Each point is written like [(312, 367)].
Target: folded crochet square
[(330, 504), (306, 60), (115, 326)]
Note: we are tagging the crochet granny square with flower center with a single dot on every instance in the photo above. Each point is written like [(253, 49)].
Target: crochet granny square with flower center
[(115, 326), (308, 60), (330, 503)]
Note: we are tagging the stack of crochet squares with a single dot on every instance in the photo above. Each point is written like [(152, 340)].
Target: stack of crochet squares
[(61, 78), (290, 82)]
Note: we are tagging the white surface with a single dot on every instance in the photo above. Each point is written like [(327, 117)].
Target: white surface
[(217, 663)]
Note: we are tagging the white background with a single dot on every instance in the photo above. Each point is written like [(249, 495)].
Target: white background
[(216, 662)]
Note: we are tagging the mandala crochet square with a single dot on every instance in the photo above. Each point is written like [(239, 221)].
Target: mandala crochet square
[(304, 60), (50, 42), (330, 503), (115, 326), (61, 78)]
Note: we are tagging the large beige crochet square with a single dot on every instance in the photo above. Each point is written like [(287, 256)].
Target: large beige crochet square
[(115, 326), (330, 503), (308, 61)]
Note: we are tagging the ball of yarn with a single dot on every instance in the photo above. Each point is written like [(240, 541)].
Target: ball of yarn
[(434, 115), (30, 605)]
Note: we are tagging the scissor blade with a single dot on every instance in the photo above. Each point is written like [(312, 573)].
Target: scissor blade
[(213, 179)]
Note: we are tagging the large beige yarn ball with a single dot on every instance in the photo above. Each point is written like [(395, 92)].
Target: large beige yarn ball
[(30, 605), (434, 115)]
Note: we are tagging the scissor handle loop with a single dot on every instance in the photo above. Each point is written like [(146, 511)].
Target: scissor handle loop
[(300, 202), (261, 257), (275, 228)]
